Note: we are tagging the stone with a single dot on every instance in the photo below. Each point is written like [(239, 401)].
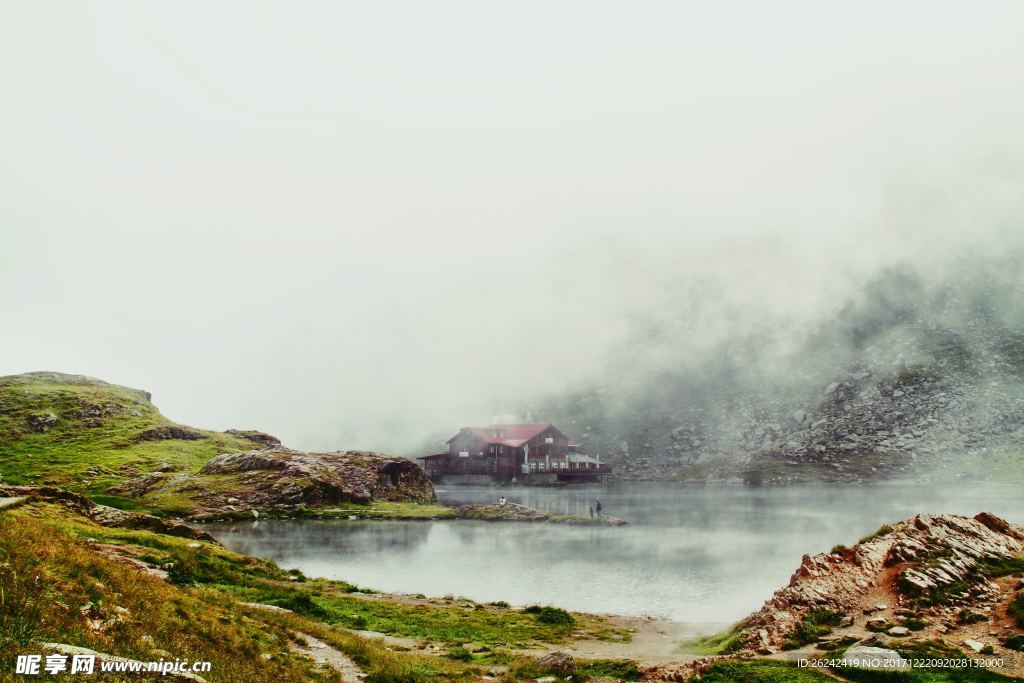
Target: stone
[(899, 631), (42, 422), (560, 663), (974, 644)]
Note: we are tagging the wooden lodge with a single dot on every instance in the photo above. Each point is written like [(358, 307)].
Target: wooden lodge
[(534, 453)]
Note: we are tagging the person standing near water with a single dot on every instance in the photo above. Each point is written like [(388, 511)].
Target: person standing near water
[(597, 507)]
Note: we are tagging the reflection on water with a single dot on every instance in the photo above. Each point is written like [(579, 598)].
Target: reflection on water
[(692, 553)]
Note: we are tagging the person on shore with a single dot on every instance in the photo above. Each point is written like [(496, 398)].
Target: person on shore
[(591, 511), (597, 507)]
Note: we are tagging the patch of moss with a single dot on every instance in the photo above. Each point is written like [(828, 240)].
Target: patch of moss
[(814, 625), (1016, 609), (761, 670), (883, 530)]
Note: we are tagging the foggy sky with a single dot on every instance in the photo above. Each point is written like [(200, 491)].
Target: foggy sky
[(356, 225)]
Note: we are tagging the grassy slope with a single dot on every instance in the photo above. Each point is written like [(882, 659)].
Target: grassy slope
[(88, 454), (63, 455), (197, 613)]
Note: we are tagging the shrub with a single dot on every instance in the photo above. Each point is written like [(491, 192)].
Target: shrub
[(301, 603), (838, 549), (550, 615), (915, 624), (1016, 609), (1015, 643), (461, 654), (813, 626), (883, 530)]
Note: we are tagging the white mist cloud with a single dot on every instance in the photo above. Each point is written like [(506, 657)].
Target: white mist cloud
[(353, 224)]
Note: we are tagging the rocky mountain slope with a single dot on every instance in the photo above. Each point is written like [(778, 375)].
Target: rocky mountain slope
[(919, 373), (112, 443), (931, 576), (934, 588)]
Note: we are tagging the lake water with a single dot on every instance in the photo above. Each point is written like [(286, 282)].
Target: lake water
[(707, 554)]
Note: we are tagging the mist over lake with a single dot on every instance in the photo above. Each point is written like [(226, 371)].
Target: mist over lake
[(699, 554)]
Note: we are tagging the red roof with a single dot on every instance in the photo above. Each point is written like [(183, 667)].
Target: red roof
[(514, 435)]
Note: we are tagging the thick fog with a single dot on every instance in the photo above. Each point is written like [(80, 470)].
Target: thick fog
[(369, 225)]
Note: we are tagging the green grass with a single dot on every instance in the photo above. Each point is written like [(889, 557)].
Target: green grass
[(198, 614), (994, 567), (814, 625), (383, 509), (1016, 609), (723, 643), (762, 671), (619, 669), (92, 446), (50, 579), (550, 615), (485, 625), (883, 530)]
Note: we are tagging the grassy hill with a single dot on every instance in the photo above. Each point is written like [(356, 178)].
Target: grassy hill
[(112, 444), (85, 435)]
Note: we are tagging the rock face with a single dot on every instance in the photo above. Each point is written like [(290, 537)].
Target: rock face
[(267, 440), (112, 517), (281, 476), (932, 562)]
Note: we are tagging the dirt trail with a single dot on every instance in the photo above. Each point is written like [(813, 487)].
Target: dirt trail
[(325, 655)]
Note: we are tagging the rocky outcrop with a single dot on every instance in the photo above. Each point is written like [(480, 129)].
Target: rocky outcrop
[(112, 517), (268, 440), (105, 515), (41, 422), (169, 432), (281, 476), (933, 563)]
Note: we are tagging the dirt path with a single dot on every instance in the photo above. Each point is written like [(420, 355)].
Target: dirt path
[(325, 655)]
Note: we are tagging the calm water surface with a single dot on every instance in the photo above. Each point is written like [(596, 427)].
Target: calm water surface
[(692, 553)]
